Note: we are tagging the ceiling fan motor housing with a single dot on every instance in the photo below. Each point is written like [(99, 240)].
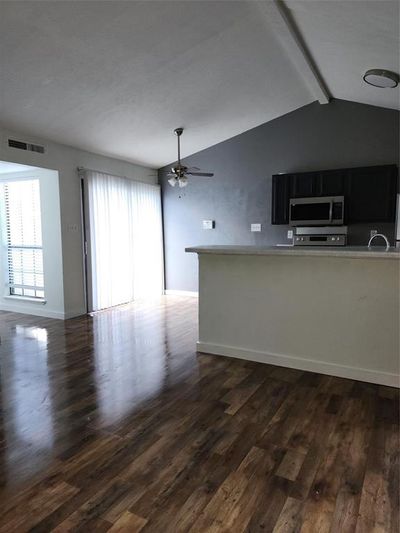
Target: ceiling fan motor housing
[(179, 170)]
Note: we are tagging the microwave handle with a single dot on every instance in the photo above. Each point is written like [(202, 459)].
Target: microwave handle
[(330, 210)]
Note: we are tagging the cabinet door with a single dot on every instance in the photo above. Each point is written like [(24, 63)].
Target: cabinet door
[(280, 199), (372, 194), (332, 183), (304, 185)]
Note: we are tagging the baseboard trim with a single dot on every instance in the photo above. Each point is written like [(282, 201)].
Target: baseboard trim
[(173, 292), (41, 312), (37, 311), (311, 365)]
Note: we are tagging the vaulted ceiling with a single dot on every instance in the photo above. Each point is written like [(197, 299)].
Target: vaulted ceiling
[(116, 77)]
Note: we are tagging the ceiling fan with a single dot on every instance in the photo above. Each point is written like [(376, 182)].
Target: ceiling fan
[(179, 173)]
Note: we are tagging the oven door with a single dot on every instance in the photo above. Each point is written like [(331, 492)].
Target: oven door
[(310, 211)]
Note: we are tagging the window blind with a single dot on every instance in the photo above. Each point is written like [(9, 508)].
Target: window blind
[(126, 244), (24, 238)]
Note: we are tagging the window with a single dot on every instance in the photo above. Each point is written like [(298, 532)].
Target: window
[(23, 238)]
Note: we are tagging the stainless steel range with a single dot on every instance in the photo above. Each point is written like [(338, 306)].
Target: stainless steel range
[(320, 236)]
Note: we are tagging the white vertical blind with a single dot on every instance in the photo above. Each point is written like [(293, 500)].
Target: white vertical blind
[(24, 238), (126, 247)]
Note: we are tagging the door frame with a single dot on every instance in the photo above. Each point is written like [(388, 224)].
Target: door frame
[(87, 262)]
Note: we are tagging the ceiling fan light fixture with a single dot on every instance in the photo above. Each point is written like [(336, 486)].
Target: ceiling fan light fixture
[(384, 79), (179, 172)]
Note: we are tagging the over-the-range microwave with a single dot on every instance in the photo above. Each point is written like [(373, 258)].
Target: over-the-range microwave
[(317, 211)]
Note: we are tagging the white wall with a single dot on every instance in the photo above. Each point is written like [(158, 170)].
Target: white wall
[(65, 160), (52, 250)]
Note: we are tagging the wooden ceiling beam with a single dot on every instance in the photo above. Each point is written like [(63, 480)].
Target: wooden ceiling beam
[(279, 18)]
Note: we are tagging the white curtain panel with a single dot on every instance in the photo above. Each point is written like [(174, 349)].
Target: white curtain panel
[(126, 245)]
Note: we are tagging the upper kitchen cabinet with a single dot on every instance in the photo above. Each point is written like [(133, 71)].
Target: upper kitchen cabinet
[(304, 185), (280, 198), (331, 183), (325, 183), (372, 194)]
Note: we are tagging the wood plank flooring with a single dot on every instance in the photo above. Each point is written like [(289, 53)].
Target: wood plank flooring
[(114, 423)]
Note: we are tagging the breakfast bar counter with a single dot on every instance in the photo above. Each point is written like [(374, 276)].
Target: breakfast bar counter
[(354, 252), (329, 310)]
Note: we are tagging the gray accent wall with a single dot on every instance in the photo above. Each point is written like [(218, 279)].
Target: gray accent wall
[(341, 134)]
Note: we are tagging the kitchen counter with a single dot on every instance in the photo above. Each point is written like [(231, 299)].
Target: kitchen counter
[(328, 310), (353, 252)]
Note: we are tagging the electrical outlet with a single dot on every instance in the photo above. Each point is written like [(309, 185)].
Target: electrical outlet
[(373, 232), (255, 227), (290, 234), (208, 224)]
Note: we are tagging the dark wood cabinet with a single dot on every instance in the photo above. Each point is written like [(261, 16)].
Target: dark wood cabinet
[(332, 183), (304, 185), (370, 192), (309, 184), (280, 198)]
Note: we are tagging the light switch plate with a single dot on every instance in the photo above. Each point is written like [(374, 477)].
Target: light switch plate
[(208, 224), (290, 234), (255, 227)]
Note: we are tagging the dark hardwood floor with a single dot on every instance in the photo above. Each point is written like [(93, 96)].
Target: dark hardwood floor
[(114, 423)]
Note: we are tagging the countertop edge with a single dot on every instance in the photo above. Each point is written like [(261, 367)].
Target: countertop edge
[(295, 252)]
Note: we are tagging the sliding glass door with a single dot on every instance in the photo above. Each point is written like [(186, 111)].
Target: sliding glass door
[(124, 243)]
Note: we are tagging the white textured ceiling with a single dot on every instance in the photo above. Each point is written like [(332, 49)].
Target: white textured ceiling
[(347, 38), (117, 77)]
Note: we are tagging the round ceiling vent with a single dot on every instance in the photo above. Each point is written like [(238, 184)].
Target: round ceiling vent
[(381, 78)]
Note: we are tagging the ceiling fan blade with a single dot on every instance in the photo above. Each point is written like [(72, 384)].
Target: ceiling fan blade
[(201, 174), (171, 175), (190, 169)]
